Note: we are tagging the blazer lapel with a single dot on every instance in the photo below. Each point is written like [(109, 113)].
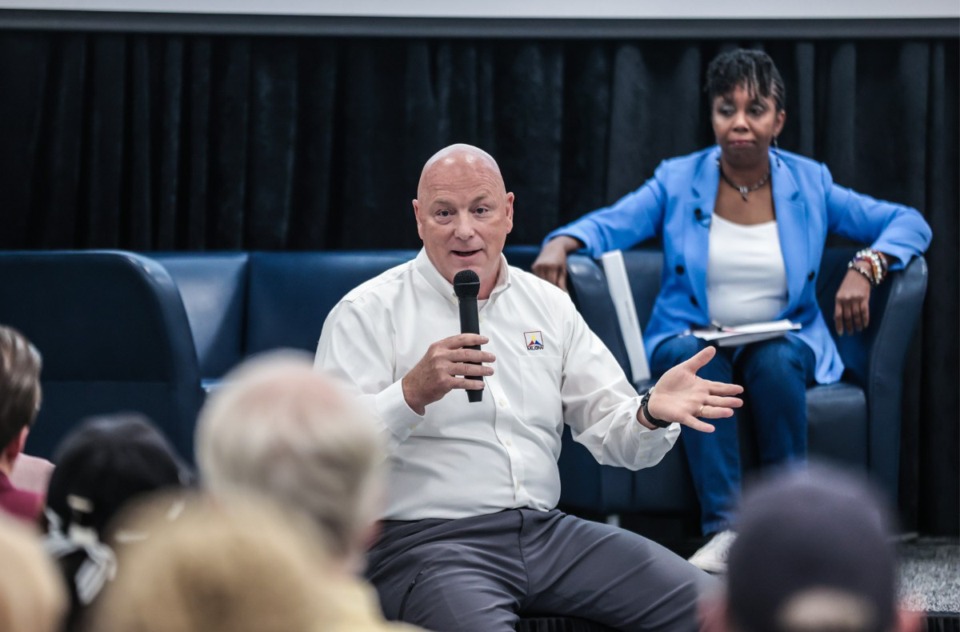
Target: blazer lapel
[(792, 227), (702, 200)]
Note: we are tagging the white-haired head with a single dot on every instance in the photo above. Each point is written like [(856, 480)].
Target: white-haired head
[(279, 428)]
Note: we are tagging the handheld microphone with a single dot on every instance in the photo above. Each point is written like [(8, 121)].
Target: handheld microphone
[(466, 284)]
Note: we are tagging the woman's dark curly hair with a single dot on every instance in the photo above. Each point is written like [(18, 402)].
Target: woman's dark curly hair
[(752, 69)]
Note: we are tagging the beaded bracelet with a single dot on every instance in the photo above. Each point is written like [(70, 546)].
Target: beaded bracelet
[(880, 269), (877, 264), (884, 265), (853, 266)]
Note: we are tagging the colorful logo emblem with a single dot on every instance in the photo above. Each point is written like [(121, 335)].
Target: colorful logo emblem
[(534, 340)]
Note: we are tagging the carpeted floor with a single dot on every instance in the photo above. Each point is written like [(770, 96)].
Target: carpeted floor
[(929, 567), (930, 574), (929, 581)]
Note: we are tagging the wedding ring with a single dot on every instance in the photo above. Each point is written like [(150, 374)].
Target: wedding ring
[(700, 412)]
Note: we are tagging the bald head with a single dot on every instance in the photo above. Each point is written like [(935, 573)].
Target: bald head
[(459, 155), (464, 213)]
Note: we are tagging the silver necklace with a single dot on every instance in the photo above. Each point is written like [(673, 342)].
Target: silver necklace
[(744, 190)]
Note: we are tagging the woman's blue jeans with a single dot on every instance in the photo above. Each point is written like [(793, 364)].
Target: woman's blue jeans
[(774, 375)]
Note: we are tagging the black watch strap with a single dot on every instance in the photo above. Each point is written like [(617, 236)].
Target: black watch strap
[(659, 423)]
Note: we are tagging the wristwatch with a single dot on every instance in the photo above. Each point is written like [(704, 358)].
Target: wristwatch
[(659, 423)]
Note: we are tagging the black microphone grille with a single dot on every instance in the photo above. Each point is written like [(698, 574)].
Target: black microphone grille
[(466, 284)]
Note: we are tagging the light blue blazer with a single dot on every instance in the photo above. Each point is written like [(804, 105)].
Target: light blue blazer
[(677, 205)]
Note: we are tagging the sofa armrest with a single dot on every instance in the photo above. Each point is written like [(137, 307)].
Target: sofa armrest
[(588, 289), (114, 337), (901, 301), (213, 287)]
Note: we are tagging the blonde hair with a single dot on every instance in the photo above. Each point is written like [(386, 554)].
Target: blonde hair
[(32, 595), (233, 567), (279, 428)]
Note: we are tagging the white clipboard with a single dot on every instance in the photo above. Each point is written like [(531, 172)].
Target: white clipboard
[(619, 286), (746, 334)]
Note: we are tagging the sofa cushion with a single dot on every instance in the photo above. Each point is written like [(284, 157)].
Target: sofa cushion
[(837, 422), (291, 293), (521, 256), (213, 287)]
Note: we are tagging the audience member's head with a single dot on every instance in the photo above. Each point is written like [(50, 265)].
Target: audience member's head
[(102, 465), (230, 567), (32, 597), (105, 462), (280, 429), (814, 554), (19, 393)]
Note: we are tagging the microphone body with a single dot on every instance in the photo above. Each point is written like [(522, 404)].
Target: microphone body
[(466, 284)]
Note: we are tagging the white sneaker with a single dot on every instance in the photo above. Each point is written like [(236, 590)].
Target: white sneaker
[(712, 556)]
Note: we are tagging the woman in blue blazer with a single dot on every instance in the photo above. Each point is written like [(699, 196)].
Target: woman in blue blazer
[(743, 226)]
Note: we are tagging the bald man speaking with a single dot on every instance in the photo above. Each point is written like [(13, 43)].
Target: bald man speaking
[(472, 539)]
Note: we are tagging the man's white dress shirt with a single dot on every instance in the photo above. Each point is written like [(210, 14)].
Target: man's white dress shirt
[(463, 459)]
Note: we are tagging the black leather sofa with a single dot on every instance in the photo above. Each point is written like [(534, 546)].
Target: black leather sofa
[(123, 331)]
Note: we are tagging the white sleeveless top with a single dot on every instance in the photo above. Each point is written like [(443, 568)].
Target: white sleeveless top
[(746, 278)]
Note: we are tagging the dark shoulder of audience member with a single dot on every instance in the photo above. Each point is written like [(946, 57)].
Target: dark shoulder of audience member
[(102, 465)]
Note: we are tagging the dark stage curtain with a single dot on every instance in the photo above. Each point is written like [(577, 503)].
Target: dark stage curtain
[(166, 141)]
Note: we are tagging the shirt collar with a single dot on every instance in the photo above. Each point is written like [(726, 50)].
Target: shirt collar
[(433, 277)]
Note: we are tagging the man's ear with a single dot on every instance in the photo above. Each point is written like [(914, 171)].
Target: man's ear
[(509, 211), (13, 449), (909, 620), (416, 214)]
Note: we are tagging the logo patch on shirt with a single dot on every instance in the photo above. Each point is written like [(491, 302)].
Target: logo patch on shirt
[(534, 340)]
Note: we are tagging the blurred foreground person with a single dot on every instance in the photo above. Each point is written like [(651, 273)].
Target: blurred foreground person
[(279, 430), (218, 567), (814, 554), (19, 402), (32, 597), (102, 465)]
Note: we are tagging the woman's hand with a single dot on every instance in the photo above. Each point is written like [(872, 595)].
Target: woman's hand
[(551, 264), (851, 312)]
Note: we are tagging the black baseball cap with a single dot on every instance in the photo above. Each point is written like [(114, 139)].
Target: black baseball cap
[(813, 552)]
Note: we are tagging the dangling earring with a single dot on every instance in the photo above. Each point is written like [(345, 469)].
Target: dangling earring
[(776, 150)]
